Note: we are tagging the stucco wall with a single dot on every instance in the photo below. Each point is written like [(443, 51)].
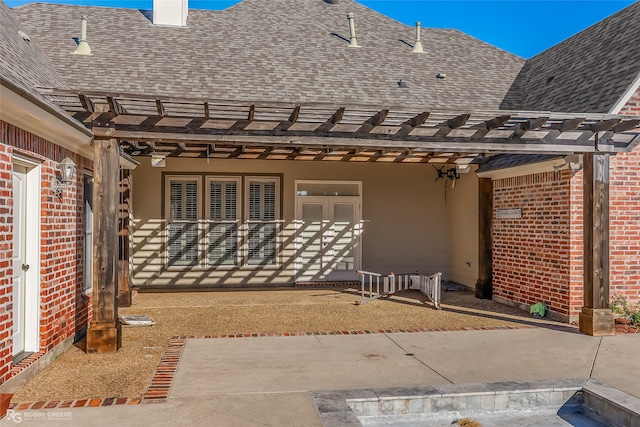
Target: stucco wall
[(404, 217), (461, 204)]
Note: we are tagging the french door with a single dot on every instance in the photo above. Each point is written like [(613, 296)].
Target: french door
[(328, 239)]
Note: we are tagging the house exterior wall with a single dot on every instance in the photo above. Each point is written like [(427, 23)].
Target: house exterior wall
[(624, 214), (63, 306), (461, 203), (403, 215), (533, 255), (539, 258)]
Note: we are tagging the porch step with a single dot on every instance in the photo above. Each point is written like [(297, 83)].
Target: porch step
[(334, 284)]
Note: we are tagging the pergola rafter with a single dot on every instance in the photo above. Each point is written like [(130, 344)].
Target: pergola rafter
[(184, 127)]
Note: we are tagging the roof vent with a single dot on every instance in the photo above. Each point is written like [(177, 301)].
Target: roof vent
[(352, 30), (441, 76), (417, 46), (170, 12), (332, 1), (402, 84), (83, 47), (24, 36)]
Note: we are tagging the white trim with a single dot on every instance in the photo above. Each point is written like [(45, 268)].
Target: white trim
[(627, 96), (32, 276), (529, 169), (20, 112)]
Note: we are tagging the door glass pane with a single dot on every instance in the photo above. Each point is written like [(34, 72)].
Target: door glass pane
[(328, 189), (343, 236)]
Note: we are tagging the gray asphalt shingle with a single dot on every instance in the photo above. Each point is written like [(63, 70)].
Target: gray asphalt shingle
[(588, 72), (273, 50), (22, 63)]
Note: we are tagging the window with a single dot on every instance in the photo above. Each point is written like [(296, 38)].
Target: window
[(262, 223), (222, 232), (211, 237), (183, 221), (88, 231)]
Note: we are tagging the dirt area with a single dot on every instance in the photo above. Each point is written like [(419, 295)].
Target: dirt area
[(624, 326), (128, 372)]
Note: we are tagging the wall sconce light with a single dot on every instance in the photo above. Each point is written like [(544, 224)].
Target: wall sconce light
[(67, 167)]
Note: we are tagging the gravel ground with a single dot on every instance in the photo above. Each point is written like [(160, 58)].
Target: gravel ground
[(127, 373)]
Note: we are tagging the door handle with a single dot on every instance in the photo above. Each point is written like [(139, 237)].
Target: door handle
[(25, 267)]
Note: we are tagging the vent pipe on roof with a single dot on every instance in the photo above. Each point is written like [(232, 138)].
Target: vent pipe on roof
[(417, 46), (83, 47), (352, 30), (170, 12)]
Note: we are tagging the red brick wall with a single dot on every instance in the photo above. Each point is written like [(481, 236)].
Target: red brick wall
[(539, 257), (6, 268), (64, 309), (532, 255), (624, 214)]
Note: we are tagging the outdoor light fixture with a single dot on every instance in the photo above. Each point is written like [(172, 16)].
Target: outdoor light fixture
[(67, 167)]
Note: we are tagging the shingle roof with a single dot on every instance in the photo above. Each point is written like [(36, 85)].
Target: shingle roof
[(275, 50), (22, 63), (589, 72)]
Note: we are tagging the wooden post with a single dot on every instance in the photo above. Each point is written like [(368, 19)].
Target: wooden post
[(596, 318), (124, 241), (105, 334), (484, 286)]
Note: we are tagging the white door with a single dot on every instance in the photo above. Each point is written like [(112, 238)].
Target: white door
[(328, 238), (20, 266)]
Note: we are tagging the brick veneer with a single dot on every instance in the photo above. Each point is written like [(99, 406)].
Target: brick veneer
[(532, 254), (624, 211), (539, 257), (64, 307)]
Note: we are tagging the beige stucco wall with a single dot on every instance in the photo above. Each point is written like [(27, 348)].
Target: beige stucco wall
[(462, 221), (405, 217)]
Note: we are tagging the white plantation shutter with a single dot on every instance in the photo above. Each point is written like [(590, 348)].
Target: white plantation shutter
[(183, 222), (262, 238), (223, 223)]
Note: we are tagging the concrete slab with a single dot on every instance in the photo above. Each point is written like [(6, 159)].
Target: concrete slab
[(265, 381), (502, 355), (618, 363), (277, 364), (264, 409)]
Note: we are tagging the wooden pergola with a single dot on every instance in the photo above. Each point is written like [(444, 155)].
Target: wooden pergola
[(140, 125)]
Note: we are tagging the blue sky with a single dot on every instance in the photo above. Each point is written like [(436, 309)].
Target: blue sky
[(523, 27)]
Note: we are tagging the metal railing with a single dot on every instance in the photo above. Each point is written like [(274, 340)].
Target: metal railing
[(375, 285)]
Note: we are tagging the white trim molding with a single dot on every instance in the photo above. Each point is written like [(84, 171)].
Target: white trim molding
[(25, 114), (528, 169), (627, 96)]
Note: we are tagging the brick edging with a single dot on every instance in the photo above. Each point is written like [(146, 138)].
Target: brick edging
[(162, 380)]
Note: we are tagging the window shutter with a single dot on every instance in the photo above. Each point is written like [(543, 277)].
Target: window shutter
[(183, 225), (262, 236), (223, 227)]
